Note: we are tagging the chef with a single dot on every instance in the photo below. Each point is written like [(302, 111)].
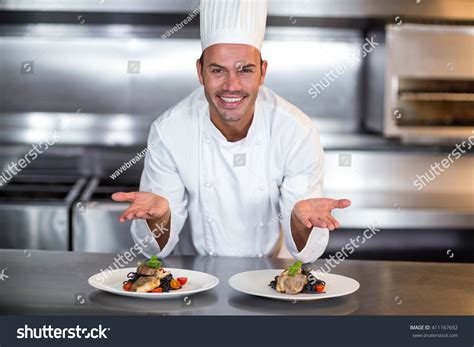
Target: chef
[(237, 159)]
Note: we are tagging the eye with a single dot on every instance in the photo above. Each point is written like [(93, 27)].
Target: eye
[(216, 70), (246, 70)]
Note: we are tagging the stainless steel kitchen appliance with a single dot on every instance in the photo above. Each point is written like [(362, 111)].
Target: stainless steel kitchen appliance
[(95, 224), (95, 220), (429, 83), (34, 211)]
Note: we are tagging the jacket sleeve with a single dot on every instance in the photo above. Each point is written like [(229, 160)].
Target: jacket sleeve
[(303, 179), (160, 176)]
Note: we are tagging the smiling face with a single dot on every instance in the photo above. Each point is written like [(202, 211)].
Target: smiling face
[(231, 75)]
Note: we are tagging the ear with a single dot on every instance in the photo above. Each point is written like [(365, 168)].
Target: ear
[(199, 71), (264, 72)]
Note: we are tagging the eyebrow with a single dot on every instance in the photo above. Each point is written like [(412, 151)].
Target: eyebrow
[(222, 67)]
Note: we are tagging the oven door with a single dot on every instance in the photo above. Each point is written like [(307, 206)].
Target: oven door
[(34, 211)]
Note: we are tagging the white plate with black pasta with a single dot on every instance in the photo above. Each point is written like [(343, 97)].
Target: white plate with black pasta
[(257, 283), (112, 282)]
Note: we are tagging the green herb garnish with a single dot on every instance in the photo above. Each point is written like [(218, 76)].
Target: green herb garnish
[(153, 262), (293, 269)]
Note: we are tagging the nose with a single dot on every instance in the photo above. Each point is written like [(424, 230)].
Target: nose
[(232, 82)]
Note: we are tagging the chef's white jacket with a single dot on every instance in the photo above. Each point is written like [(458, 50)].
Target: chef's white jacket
[(236, 193)]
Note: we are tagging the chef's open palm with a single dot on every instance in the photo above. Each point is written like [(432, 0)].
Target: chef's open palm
[(144, 205), (317, 212)]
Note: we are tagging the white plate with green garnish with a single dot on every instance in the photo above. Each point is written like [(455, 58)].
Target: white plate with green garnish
[(150, 280), (293, 284)]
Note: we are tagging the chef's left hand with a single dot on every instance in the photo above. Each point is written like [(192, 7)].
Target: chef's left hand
[(317, 212)]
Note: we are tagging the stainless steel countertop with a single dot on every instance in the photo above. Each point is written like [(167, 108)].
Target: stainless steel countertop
[(48, 282)]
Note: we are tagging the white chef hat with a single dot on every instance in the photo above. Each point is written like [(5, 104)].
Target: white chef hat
[(233, 21)]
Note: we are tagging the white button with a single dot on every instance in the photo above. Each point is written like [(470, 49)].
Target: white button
[(261, 224), (261, 187), (209, 220), (259, 143), (206, 140), (211, 253), (208, 185), (260, 255)]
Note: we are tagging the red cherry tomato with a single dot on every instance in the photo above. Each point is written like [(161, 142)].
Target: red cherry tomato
[(319, 288), (127, 286), (182, 280), (174, 284)]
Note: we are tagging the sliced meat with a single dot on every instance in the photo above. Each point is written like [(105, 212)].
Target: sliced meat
[(145, 284), (295, 284), (280, 285), (164, 274), (148, 271), (291, 284)]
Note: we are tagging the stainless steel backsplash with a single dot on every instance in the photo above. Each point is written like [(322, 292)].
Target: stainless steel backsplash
[(108, 83)]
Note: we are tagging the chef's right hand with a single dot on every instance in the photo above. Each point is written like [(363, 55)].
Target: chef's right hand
[(144, 205)]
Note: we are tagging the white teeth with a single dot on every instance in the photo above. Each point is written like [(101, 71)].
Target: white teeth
[(231, 99)]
